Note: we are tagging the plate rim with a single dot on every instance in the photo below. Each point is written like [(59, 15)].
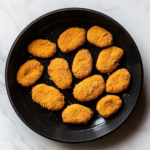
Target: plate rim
[(57, 11)]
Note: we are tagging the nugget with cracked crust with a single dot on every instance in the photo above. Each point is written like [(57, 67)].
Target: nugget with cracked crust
[(71, 39), (42, 48), (108, 105), (82, 64), (108, 59), (118, 81), (99, 37), (29, 73), (59, 72), (77, 114), (48, 97), (89, 89)]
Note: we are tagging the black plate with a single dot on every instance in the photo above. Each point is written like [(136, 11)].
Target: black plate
[(47, 123)]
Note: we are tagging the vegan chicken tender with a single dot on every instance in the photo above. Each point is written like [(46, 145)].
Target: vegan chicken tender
[(29, 73), (48, 97), (82, 64), (118, 81), (89, 89), (108, 105), (60, 73), (42, 48), (71, 39), (99, 37), (77, 114), (108, 59)]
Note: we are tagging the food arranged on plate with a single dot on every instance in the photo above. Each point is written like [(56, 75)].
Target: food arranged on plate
[(42, 48), (77, 114), (71, 39), (90, 88), (48, 97), (29, 73), (60, 73), (82, 64)]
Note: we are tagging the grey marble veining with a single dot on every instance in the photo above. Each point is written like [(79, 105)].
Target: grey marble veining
[(134, 15)]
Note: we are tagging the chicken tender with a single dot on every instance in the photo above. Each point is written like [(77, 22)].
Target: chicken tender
[(108, 59), (71, 39), (77, 114), (99, 37), (82, 64), (89, 89), (60, 73), (108, 105), (42, 48), (48, 97), (29, 73), (118, 81)]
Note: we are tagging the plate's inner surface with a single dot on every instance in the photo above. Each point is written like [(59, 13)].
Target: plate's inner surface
[(49, 123)]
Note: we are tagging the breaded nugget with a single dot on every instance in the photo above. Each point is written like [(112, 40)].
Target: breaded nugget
[(99, 37), (29, 73), (82, 64), (89, 89), (42, 48), (59, 72), (118, 81), (71, 39), (77, 114), (48, 97), (108, 105), (108, 59)]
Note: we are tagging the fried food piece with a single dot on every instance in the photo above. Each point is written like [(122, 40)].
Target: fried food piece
[(71, 39), (48, 97), (42, 48), (89, 89), (118, 81), (77, 114), (29, 73), (99, 37), (108, 59), (82, 64), (59, 72), (108, 105)]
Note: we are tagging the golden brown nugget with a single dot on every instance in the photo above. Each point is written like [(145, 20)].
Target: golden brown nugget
[(71, 39), (48, 97), (77, 114), (108, 59), (82, 64), (108, 105), (60, 73), (118, 81), (42, 48), (99, 37), (29, 73), (89, 89)]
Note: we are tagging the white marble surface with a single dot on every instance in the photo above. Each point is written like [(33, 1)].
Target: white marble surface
[(134, 15)]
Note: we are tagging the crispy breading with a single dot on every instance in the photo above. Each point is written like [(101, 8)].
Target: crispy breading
[(118, 81), (29, 73), (71, 39), (42, 48), (108, 105), (89, 89), (99, 37), (60, 73), (82, 64), (77, 114), (48, 97), (108, 59)]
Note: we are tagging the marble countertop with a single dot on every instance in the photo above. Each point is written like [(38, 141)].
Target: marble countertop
[(134, 15)]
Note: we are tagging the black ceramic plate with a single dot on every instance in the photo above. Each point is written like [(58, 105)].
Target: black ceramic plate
[(47, 123)]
